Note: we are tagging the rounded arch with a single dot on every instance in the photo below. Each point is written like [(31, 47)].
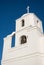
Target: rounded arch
[(23, 39)]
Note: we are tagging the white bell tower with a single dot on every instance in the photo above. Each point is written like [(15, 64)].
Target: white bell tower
[(29, 42), (25, 24)]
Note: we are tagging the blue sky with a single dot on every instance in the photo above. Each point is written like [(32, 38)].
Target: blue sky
[(10, 10)]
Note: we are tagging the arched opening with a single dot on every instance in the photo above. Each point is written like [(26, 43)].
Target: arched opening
[(23, 39), (13, 41), (22, 22)]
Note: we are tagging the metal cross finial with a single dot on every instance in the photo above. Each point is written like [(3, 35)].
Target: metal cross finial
[(27, 9)]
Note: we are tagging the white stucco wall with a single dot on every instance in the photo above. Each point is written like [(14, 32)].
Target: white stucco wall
[(30, 53)]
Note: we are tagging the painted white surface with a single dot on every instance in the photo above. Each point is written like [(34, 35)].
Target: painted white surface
[(30, 53)]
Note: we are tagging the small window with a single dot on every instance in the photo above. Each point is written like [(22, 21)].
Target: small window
[(13, 41), (23, 39), (37, 21), (22, 22)]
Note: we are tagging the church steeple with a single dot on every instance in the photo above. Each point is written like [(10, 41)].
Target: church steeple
[(28, 42)]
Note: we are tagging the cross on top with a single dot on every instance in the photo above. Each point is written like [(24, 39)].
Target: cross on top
[(27, 9)]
